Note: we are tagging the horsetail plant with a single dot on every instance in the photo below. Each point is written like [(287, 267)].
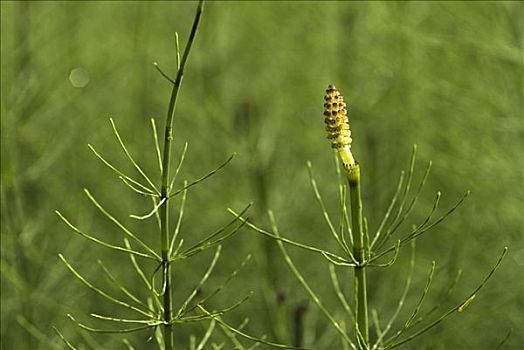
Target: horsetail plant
[(360, 250), (157, 313)]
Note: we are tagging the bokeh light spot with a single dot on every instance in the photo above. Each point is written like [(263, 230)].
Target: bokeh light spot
[(79, 77)]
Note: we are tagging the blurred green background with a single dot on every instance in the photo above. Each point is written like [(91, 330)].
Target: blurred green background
[(445, 75)]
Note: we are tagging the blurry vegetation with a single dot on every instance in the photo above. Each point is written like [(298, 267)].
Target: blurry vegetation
[(447, 76)]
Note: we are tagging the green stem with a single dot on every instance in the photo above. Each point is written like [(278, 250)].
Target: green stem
[(164, 209), (359, 249)]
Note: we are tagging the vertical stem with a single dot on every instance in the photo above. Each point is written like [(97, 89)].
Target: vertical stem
[(299, 316), (164, 209), (359, 249)]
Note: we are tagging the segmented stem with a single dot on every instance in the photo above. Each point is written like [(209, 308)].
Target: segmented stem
[(164, 190), (359, 249)]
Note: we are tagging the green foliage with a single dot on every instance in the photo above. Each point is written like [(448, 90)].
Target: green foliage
[(447, 76)]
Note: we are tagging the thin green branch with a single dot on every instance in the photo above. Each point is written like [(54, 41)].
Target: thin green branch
[(178, 167), (64, 340), (318, 197), (131, 159), (391, 261), (177, 51), (123, 289), (163, 73), (341, 263), (322, 252), (342, 191), (433, 210), (444, 295), (306, 286), (244, 335), (101, 292), (120, 225), (195, 182), (35, 332), (408, 183), (115, 331), (420, 230), (157, 144), (452, 310), (207, 335), (388, 211), (151, 213), (401, 302), (178, 222), (137, 267), (376, 325), (144, 279), (135, 189), (233, 337), (207, 242), (340, 294), (223, 285), (417, 231), (395, 225), (214, 313), (344, 219), (157, 215), (128, 344), (203, 280), (409, 323), (504, 340), (423, 296), (151, 322), (102, 243), (112, 167), (204, 246)]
